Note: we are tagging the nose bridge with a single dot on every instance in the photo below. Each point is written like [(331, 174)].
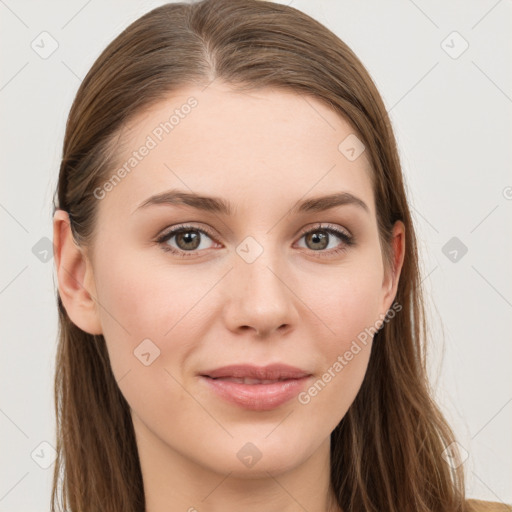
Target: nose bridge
[(258, 263), (260, 275)]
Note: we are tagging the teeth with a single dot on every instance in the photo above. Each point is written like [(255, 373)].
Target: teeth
[(247, 380)]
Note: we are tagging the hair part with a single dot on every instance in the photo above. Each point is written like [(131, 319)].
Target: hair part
[(386, 453)]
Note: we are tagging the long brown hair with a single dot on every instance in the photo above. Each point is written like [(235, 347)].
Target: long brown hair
[(387, 452)]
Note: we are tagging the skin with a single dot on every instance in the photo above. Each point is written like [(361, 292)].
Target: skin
[(262, 151)]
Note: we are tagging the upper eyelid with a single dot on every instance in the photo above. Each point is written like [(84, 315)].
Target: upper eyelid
[(172, 231)]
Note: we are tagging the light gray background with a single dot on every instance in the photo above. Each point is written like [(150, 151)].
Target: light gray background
[(452, 118)]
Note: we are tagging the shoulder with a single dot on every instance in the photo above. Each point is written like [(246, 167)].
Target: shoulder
[(487, 506)]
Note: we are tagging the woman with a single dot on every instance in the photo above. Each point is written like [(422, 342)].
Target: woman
[(241, 316)]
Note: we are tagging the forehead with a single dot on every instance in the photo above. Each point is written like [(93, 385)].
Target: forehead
[(257, 143)]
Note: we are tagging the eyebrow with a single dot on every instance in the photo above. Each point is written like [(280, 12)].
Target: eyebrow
[(221, 206)]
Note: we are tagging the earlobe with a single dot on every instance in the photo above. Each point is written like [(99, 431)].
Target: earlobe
[(74, 274)]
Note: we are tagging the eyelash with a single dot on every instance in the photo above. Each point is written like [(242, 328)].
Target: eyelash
[(348, 240)]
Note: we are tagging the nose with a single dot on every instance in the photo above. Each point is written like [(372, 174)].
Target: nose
[(261, 297)]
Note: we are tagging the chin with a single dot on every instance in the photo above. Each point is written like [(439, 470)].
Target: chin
[(250, 457)]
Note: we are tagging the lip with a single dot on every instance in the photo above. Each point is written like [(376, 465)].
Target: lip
[(270, 372), (288, 382)]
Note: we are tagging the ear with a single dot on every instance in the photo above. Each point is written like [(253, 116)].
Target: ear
[(392, 275), (75, 278)]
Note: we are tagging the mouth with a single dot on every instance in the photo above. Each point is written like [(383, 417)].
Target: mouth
[(272, 372), (256, 388)]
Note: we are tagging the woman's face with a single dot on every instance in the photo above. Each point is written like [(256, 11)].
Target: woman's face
[(267, 283)]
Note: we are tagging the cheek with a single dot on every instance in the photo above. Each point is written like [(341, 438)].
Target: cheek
[(148, 321), (347, 300), (145, 300)]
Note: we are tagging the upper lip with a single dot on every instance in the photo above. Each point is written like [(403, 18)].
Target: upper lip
[(270, 372)]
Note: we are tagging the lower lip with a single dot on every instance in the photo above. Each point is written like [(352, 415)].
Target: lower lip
[(258, 397)]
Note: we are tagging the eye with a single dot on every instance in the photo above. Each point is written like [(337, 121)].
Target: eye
[(320, 238), (188, 240)]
